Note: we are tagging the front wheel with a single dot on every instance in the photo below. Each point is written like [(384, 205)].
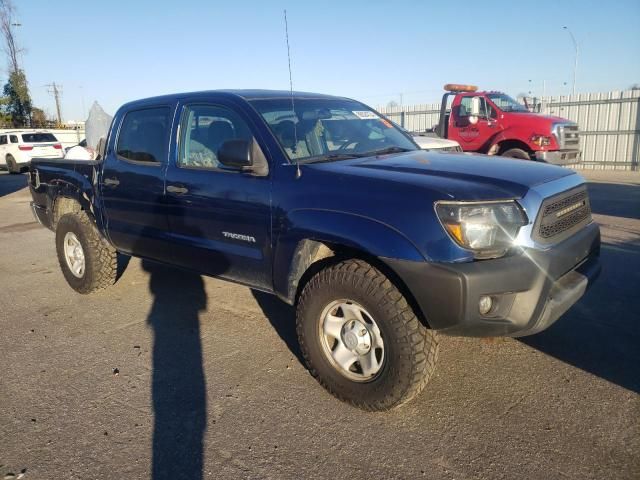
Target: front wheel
[(87, 261), (361, 339), (517, 153)]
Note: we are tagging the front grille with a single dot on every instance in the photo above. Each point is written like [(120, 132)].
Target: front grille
[(568, 136), (562, 215)]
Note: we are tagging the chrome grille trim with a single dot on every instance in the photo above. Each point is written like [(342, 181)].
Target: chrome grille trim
[(567, 135)]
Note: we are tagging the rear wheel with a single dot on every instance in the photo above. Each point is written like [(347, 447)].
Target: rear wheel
[(361, 339), (12, 166), (516, 153), (87, 261)]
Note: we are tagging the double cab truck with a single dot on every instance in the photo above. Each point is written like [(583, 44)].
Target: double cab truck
[(379, 246), (495, 124)]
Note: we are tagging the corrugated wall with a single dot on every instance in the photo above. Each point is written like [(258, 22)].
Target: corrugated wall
[(609, 123)]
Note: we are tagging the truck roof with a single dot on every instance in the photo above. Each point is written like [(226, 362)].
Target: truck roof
[(246, 94)]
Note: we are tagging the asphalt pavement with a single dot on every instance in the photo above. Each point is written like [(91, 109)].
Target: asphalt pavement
[(172, 375)]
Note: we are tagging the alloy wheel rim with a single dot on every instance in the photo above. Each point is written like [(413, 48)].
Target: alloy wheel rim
[(74, 254), (351, 340)]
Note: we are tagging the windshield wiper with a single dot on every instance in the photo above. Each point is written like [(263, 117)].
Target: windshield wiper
[(331, 157), (384, 151)]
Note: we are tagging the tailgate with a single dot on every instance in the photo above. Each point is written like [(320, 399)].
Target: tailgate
[(41, 149)]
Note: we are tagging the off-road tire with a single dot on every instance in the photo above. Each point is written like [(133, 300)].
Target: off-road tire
[(12, 166), (411, 349), (101, 266), (516, 153)]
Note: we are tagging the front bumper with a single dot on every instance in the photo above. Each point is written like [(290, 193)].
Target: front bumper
[(559, 157), (530, 290)]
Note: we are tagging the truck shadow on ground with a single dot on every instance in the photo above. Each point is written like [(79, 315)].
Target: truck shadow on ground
[(178, 383), (282, 317), (615, 199), (601, 333), (11, 183)]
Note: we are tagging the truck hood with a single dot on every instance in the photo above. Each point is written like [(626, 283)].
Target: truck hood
[(535, 119), (456, 176)]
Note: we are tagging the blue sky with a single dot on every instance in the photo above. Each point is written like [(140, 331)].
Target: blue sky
[(374, 51)]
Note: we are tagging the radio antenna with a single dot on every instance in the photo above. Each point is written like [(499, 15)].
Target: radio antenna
[(293, 106)]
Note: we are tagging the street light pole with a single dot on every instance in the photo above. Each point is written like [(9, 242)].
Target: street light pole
[(575, 63)]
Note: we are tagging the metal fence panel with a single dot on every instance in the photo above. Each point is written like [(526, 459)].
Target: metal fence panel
[(609, 124)]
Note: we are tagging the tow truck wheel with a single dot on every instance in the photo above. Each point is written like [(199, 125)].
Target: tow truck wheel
[(87, 261), (361, 339), (516, 153)]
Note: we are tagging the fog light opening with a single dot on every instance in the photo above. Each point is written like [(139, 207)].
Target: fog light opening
[(485, 304)]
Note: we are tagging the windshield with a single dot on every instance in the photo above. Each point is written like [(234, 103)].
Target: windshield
[(330, 129), (506, 103)]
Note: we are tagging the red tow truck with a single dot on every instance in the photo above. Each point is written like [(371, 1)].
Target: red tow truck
[(496, 124)]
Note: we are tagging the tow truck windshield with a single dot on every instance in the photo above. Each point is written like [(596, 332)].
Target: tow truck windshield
[(506, 103)]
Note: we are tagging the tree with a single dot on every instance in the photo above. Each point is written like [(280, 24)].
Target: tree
[(38, 118), (7, 15), (18, 101)]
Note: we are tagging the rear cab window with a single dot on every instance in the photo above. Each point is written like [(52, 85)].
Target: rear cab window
[(143, 136), (38, 138)]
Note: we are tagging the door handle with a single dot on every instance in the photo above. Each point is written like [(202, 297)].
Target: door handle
[(111, 182), (177, 189)]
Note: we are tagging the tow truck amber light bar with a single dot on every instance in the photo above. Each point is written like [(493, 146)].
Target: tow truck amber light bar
[(456, 87)]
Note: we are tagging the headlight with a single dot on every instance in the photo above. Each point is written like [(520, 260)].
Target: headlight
[(486, 228), (541, 140)]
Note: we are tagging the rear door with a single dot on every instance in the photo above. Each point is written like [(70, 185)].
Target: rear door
[(220, 219), (132, 181)]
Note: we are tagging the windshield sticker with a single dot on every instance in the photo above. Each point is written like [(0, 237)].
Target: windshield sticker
[(365, 114), (386, 123)]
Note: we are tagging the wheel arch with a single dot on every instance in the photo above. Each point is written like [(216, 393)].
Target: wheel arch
[(312, 256), (69, 199), (510, 143)]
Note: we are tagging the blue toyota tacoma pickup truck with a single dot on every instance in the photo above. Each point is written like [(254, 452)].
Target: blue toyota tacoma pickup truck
[(321, 201)]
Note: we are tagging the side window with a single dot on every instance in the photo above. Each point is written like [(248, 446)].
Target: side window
[(464, 110), (143, 135), (490, 109), (465, 107), (204, 129), (3, 139), (14, 139)]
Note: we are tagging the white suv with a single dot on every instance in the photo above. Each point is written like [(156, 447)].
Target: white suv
[(17, 147)]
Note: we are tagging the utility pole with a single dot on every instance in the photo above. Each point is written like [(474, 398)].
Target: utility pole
[(56, 91), (575, 61)]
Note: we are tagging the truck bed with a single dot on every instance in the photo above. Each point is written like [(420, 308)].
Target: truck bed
[(50, 176)]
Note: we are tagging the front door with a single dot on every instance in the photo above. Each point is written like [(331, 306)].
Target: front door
[(220, 219), (132, 183), (473, 137)]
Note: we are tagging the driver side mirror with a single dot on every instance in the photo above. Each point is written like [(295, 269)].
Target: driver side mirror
[(475, 110), (236, 153)]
